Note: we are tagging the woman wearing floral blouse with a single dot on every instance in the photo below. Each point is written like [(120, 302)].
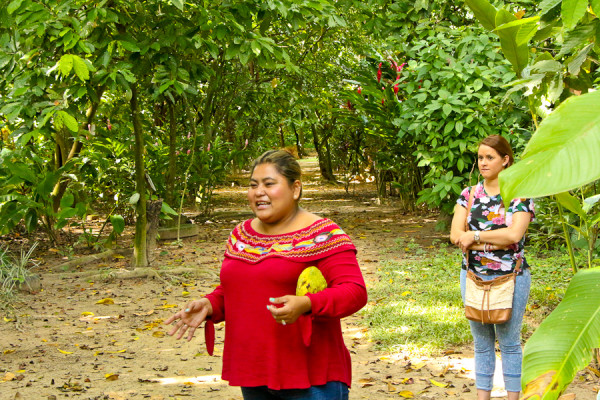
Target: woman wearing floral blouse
[(495, 239)]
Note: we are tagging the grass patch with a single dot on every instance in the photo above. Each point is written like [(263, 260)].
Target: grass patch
[(416, 305)]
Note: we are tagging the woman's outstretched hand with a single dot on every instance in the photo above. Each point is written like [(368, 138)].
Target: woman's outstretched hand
[(190, 318), (293, 307)]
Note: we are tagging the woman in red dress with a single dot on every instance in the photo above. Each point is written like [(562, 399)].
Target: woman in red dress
[(279, 345)]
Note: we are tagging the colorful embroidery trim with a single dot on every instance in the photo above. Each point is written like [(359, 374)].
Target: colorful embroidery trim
[(319, 238)]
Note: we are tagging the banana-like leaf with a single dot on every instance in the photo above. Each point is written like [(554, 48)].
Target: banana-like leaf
[(517, 54), (595, 4), (561, 155), (563, 343), (484, 12)]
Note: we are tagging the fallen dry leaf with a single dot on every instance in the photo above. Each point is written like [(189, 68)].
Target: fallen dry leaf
[(443, 371), (439, 384), (366, 382), (65, 352), (391, 387), (9, 376), (171, 305), (111, 377), (107, 300), (407, 394), (570, 396), (594, 370)]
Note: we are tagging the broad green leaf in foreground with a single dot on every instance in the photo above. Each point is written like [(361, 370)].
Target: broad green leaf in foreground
[(563, 343), (510, 40), (484, 11), (561, 155)]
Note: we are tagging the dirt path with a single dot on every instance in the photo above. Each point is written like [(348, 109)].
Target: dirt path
[(104, 339)]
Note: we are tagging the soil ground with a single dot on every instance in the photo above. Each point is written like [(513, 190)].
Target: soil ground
[(89, 336)]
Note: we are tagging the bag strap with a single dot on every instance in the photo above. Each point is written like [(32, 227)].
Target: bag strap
[(469, 204)]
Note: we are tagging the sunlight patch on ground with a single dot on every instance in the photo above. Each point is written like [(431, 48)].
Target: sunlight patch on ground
[(190, 380)]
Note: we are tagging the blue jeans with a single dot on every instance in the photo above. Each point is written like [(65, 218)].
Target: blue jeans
[(331, 391), (508, 335)]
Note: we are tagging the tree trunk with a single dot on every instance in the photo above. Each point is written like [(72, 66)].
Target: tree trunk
[(170, 188), (324, 159), (152, 215), (299, 141), (140, 255), (281, 137)]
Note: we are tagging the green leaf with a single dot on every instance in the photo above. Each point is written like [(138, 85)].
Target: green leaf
[(255, 47), (130, 46), (31, 220), (527, 27), (478, 84), (570, 203), (546, 66), (118, 223), (81, 69), (561, 155), (517, 54), (178, 4), (548, 5), (574, 38), (572, 11), (134, 198), (14, 6), (65, 64), (67, 200), (22, 171), (459, 126), (484, 12), (66, 212), (595, 6), (62, 118), (563, 343), (165, 208), (575, 64), (589, 202), (447, 109), (421, 97)]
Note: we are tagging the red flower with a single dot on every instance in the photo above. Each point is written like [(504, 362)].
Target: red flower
[(359, 90), (108, 125), (379, 74), (396, 88), (382, 101)]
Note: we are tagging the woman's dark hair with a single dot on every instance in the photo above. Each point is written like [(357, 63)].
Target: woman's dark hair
[(501, 145), (284, 162)]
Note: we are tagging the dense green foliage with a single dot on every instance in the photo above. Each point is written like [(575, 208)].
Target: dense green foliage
[(398, 91)]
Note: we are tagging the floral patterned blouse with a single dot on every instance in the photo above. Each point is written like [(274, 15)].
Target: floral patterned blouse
[(487, 213)]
